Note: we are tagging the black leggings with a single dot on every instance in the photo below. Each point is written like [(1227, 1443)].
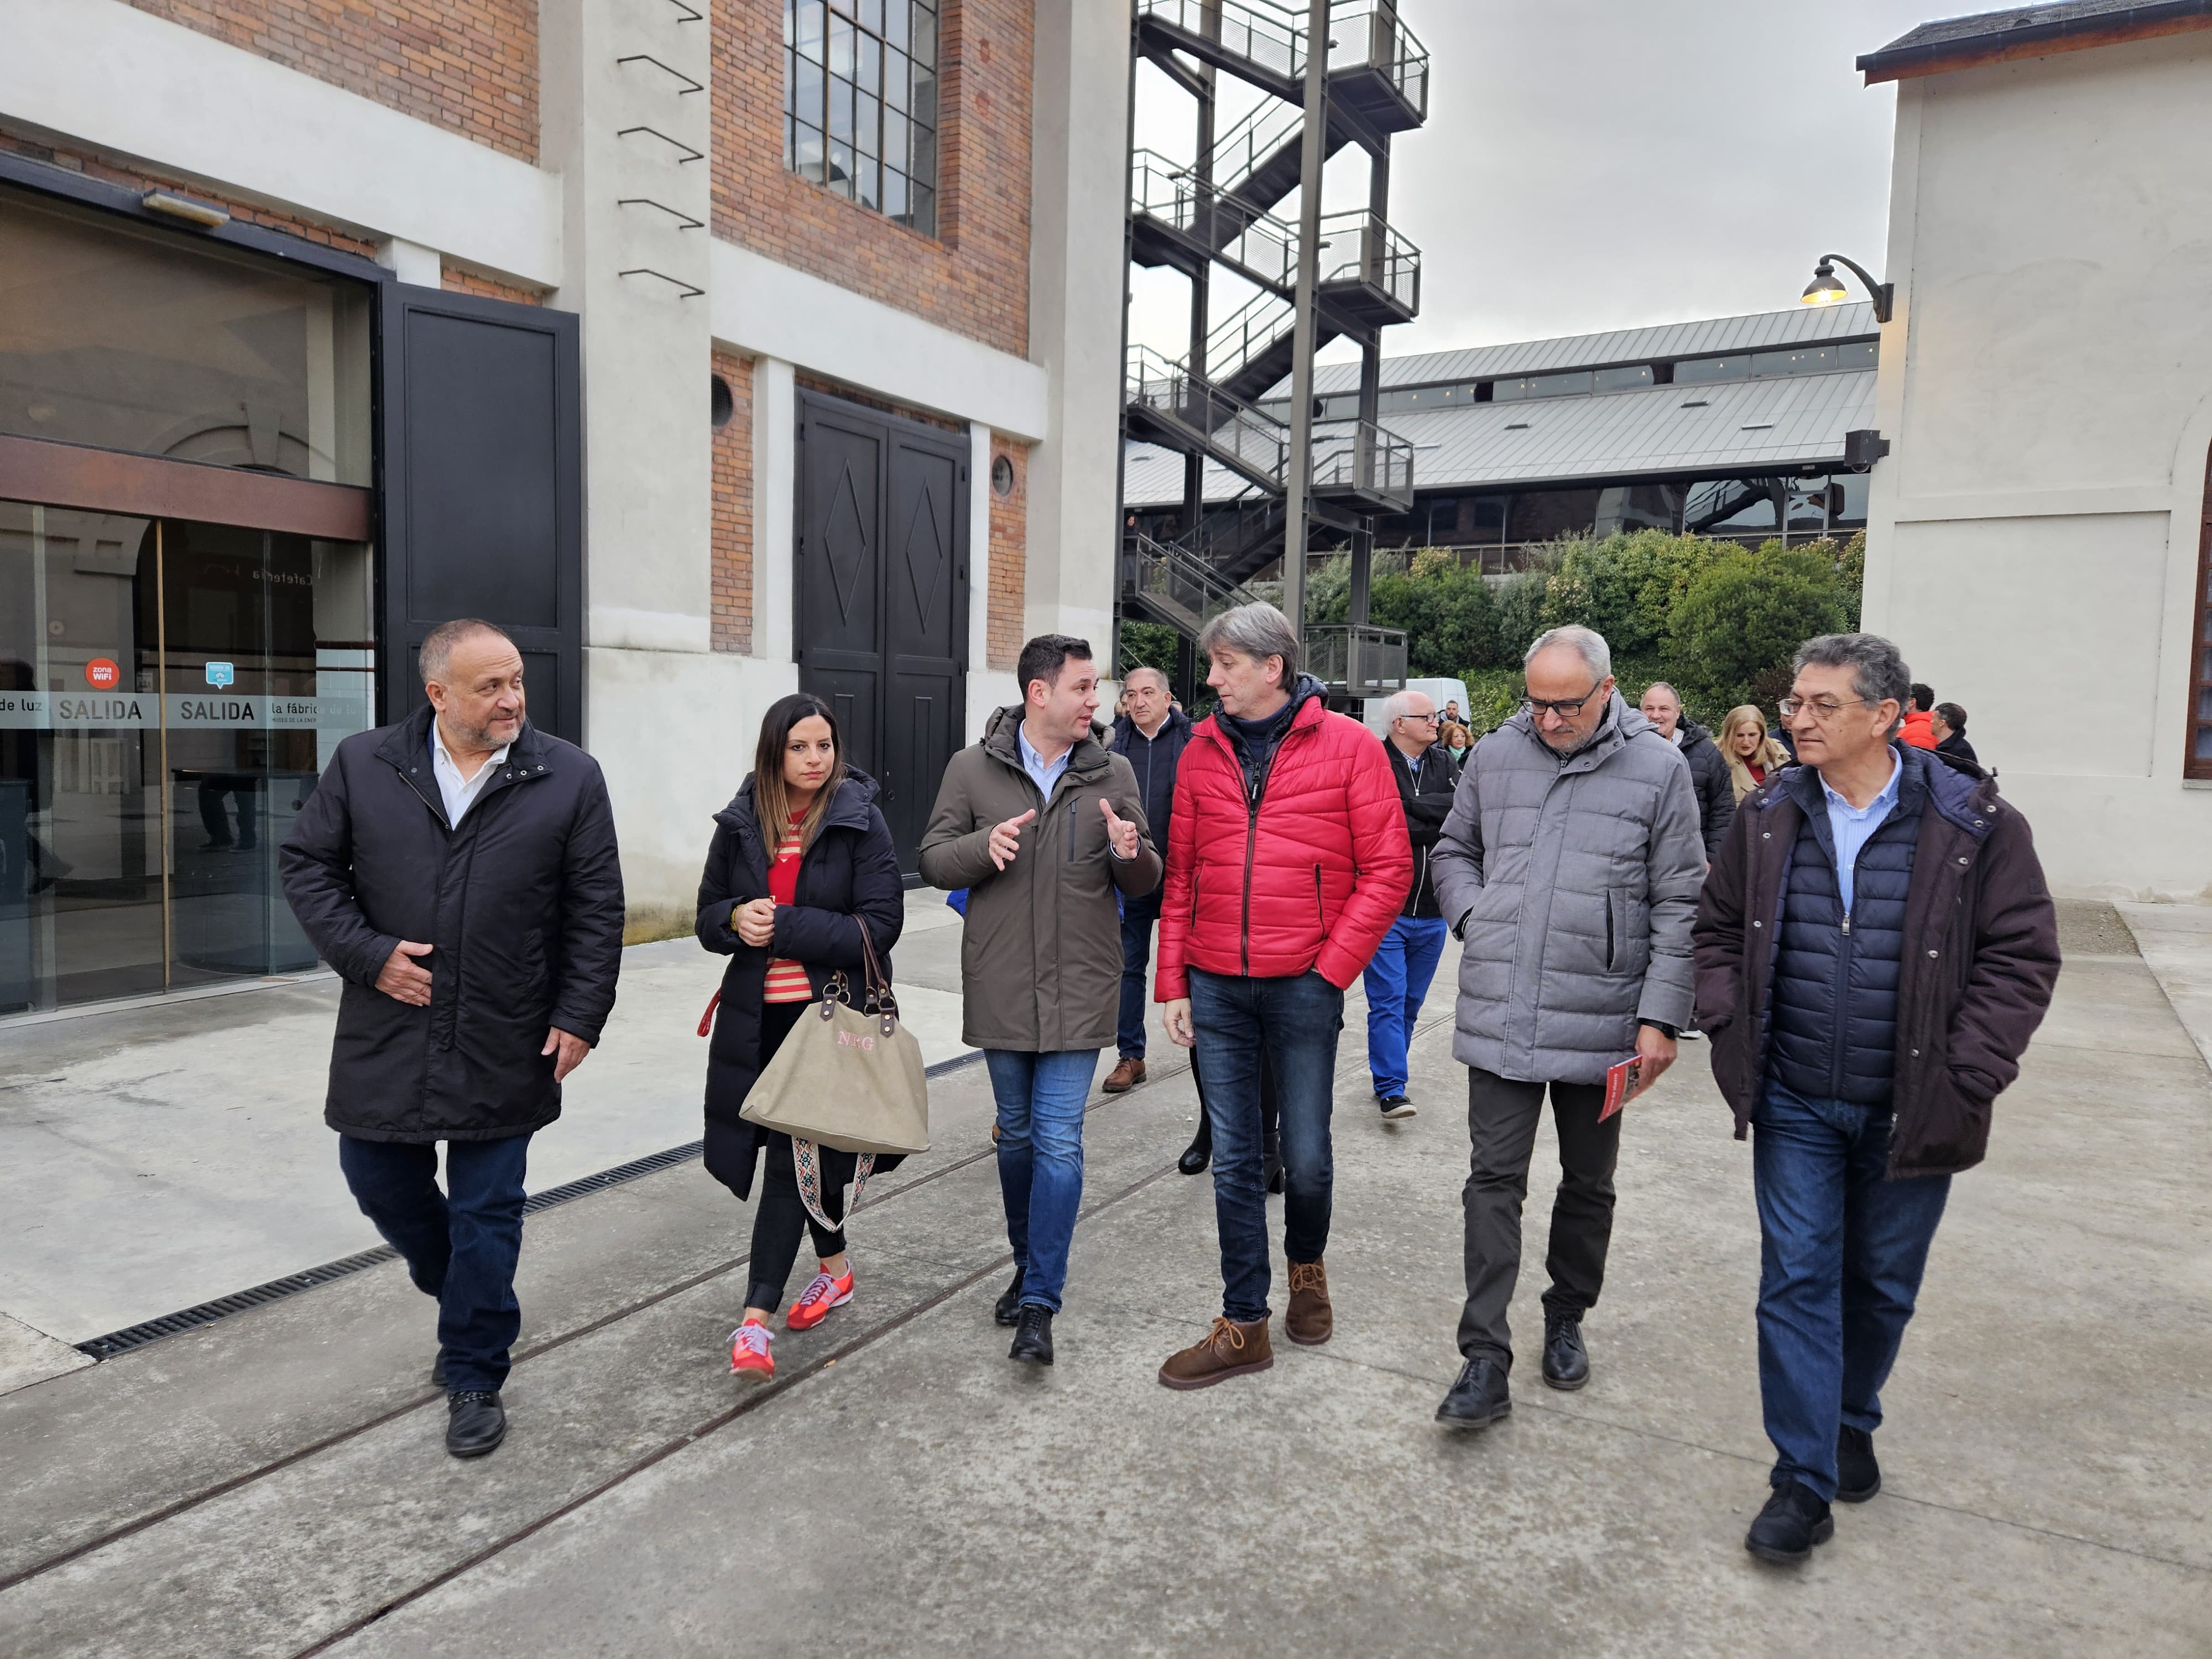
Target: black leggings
[(781, 1220)]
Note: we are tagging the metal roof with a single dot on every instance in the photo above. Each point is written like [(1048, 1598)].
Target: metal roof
[(1954, 42), (1716, 428), (1762, 331)]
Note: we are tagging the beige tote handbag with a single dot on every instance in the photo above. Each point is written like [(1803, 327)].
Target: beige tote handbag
[(847, 1076)]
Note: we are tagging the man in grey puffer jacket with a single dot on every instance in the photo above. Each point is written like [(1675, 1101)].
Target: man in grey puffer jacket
[(1570, 867)]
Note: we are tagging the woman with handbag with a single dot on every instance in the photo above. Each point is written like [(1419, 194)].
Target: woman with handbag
[(793, 907)]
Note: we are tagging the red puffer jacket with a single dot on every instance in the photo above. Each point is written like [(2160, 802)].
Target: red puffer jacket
[(1312, 876)]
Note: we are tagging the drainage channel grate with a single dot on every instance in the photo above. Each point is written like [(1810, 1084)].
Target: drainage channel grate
[(191, 1319)]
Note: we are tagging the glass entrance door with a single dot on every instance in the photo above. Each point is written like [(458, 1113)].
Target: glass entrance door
[(169, 692)]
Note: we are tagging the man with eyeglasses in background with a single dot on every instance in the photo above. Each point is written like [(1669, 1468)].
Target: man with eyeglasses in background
[(1569, 866), (1397, 976), (1874, 948)]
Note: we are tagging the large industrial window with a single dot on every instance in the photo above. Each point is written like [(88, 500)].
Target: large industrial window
[(859, 102), (2199, 762)]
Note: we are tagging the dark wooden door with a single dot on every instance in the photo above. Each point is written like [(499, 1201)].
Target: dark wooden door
[(480, 460), (883, 596)]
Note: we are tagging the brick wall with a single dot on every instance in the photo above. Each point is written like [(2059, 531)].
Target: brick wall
[(455, 280), (1008, 596), (470, 66), (93, 166), (732, 572), (973, 276)]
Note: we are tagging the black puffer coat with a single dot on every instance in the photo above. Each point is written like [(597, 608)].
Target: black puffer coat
[(851, 871), (524, 906), (1714, 784)]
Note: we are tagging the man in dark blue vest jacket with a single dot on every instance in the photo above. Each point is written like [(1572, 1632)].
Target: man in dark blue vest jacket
[(1875, 947), (1150, 734)]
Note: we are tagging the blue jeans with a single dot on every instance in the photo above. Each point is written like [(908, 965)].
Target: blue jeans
[(460, 1245), (1138, 916), (1397, 981), (1296, 1021), (1040, 1099), (1841, 1253)]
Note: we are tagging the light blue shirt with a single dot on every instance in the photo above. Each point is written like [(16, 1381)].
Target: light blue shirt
[(1853, 826), (1043, 773)]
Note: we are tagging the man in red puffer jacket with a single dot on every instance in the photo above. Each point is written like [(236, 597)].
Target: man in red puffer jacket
[(1287, 861)]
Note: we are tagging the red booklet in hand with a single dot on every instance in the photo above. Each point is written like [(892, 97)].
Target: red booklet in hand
[(1619, 1086)]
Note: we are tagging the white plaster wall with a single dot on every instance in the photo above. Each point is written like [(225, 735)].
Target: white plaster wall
[(108, 76), (1079, 184), (2047, 384)]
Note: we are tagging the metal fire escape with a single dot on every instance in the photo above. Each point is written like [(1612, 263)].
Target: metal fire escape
[(1218, 213)]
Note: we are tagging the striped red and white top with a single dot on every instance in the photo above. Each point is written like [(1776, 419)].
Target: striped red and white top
[(786, 980)]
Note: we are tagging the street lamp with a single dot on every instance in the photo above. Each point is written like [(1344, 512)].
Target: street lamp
[(1826, 289)]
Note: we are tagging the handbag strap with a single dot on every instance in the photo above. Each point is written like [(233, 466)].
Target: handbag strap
[(881, 1001), (806, 1163)]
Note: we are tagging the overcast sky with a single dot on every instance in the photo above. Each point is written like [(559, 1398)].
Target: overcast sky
[(1594, 164)]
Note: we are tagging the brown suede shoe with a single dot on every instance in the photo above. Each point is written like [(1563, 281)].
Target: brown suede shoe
[(1230, 1350), (1309, 1320), (1125, 1077)]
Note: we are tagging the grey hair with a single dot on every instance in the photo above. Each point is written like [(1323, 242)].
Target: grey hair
[(1400, 704), (1661, 685), (1588, 643), (436, 656), (1159, 674), (1878, 670), (1258, 631)]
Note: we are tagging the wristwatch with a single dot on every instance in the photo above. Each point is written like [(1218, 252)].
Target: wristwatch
[(1663, 1028)]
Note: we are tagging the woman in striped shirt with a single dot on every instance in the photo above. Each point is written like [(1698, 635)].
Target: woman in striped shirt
[(786, 906)]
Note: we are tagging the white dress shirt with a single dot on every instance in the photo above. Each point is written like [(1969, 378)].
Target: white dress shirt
[(459, 792)]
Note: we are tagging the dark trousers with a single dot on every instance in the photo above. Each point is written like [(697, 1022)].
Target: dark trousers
[(1138, 916), (460, 1245), (1502, 1116), (1294, 1022), (1841, 1254)]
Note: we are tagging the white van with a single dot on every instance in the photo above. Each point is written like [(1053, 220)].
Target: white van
[(1376, 712)]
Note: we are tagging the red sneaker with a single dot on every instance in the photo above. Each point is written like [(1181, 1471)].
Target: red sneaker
[(816, 1299), (749, 1349)]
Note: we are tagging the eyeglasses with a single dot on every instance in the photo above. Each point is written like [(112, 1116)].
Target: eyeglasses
[(1419, 720), (1822, 709), (1565, 708)]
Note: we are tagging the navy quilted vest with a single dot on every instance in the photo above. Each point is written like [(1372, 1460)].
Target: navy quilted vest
[(1833, 1030)]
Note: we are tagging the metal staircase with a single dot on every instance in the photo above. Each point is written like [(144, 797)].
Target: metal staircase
[(1218, 213)]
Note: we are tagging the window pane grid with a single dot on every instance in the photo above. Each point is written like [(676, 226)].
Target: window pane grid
[(861, 102), (2197, 763)]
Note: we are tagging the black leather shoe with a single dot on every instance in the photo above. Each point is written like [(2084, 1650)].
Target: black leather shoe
[(1792, 1522), (438, 1370), (1270, 1163), (1396, 1107), (1009, 1308), (1033, 1338), (1478, 1399), (1858, 1477), (1567, 1362), (1200, 1153), (475, 1423)]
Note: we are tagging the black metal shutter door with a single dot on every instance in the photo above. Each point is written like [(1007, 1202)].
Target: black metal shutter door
[(840, 572), (924, 638), (480, 458)]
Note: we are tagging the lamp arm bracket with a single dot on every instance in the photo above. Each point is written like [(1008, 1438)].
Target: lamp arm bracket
[(1884, 295)]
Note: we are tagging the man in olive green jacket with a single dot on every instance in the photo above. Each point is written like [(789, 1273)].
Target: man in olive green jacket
[(1043, 826)]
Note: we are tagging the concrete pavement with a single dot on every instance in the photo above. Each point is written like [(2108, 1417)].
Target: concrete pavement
[(160, 1156), (274, 1483)]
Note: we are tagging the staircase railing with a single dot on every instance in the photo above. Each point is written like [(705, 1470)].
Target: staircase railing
[(1177, 585), (1259, 322), (1353, 454), (1260, 135), (1359, 247), (1255, 441), (1353, 659), (1266, 35), (1257, 246), (1366, 33)]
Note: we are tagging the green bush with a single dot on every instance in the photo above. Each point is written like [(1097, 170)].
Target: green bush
[(1731, 637)]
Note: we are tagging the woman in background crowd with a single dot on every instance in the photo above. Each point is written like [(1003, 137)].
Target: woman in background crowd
[(1752, 756)]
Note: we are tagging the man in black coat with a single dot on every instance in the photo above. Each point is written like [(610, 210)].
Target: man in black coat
[(1709, 768), (1397, 976), (458, 870), (1152, 736)]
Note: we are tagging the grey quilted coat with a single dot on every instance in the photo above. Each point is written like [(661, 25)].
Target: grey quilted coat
[(1573, 883)]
